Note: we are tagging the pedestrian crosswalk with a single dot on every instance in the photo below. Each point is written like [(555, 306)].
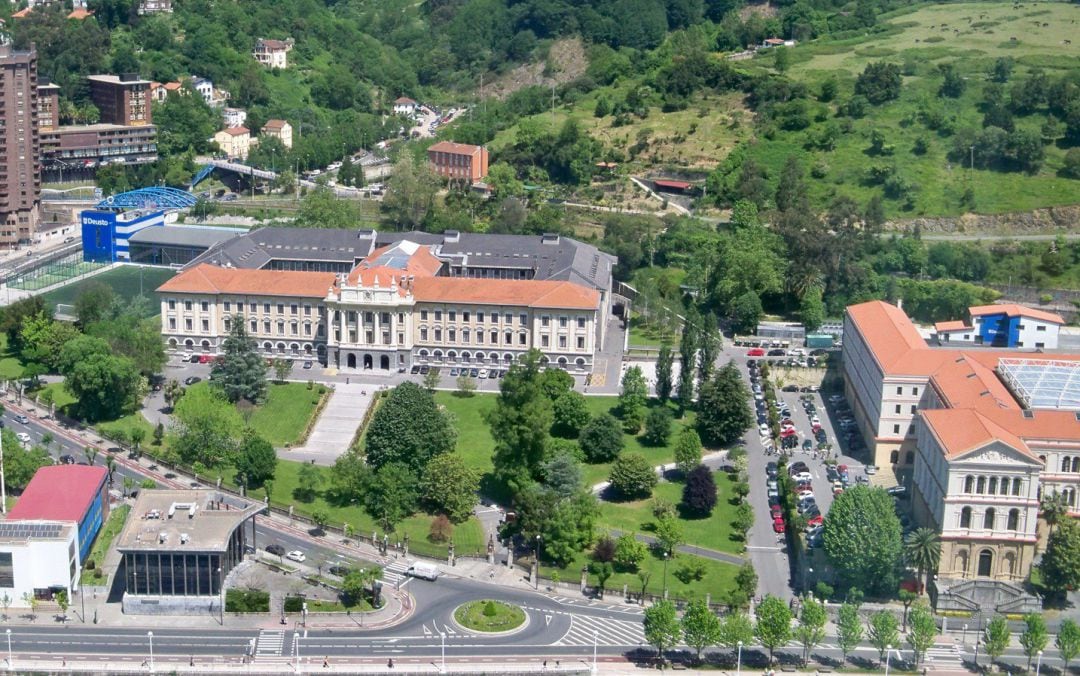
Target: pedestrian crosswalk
[(269, 643), (586, 629), (945, 657), (394, 573)]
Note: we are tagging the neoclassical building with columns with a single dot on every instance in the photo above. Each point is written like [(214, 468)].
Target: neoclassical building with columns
[(398, 306), (977, 435)]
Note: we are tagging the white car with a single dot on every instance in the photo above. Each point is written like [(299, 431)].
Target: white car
[(803, 495), (296, 555), (23, 437), (800, 477), (772, 485)]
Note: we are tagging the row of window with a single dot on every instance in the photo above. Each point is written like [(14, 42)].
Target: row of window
[(992, 486), (1012, 521), (1069, 464), (227, 306), (253, 326)]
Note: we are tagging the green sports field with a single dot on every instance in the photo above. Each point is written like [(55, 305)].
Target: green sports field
[(127, 281), (55, 273)]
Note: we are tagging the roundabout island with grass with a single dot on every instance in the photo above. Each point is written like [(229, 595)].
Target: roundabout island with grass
[(490, 617)]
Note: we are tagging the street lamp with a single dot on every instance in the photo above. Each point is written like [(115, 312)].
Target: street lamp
[(538, 543), (738, 664), (964, 640), (1038, 664), (150, 635), (888, 655), (10, 659), (665, 574), (221, 574), (595, 640), (442, 637)]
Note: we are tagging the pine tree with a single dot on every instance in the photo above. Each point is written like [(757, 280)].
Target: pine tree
[(663, 372), (241, 372), (723, 407)]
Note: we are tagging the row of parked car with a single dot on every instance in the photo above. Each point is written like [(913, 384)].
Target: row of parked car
[(845, 420), (473, 372)]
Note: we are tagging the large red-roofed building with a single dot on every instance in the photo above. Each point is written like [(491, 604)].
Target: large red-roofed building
[(77, 493)]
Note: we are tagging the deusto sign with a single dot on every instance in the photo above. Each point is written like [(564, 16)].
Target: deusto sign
[(87, 220)]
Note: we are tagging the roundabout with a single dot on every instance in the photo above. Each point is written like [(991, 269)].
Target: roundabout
[(490, 617)]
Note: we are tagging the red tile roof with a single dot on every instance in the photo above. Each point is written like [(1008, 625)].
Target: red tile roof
[(887, 331), (530, 293), (80, 14), (1014, 310), (59, 493), (677, 185), (955, 325), (275, 124), (454, 148), (206, 278), (960, 431), (237, 131), (404, 99)]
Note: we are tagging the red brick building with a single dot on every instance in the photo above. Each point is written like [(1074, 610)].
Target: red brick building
[(459, 161)]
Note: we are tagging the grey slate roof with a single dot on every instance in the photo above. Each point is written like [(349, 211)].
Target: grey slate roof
[(551, 257), (176, 235)]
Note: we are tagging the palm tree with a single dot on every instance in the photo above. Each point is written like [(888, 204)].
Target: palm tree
[(91, 454), (110, 465), (1054, 508), (923, 549)]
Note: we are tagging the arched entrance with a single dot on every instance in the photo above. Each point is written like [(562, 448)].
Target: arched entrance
[(384, 363), (986, 563), (350, 362), (367, 362)]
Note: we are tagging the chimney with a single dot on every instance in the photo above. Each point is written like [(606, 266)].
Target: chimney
[(550, 238)]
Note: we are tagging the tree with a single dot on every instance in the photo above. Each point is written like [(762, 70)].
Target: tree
[(466, 386), (922, 548), (240, 372), (811, 629), (520, 424), (410, 193), (791, 189), (432, 379), (603, 572), (883, 631), (94, 303), (632, 477), (812, 309), (1034, 638), (723, 407), (309, 479), (137, 435), (658, 426), (701, 627), (450, 486), (773, 629), (205, 425), (781, 59), (687, 360), (629, 551), (664, 363), (1068, 642), (392, 494), (320, 517), (906, 597), (669, 534), (746, 581), (562, 475), (571, 414), (996, 638), (954, 84), (408, 427), (353, 586), (602, 439), (1071, 167), (736, 628), (256, 459), (1053, 508), (661, 626), (699, 493), (687, 450), (173, 390), (32, 601), (14, 317), (321, 208), (282, 369), (634, 393), (555, 383), (849, 631), (921, 633), (862, 539), (708, 341), (879, 82), (1060, 565), (105, 386)]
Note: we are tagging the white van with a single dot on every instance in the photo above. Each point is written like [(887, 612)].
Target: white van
[(424, 571)]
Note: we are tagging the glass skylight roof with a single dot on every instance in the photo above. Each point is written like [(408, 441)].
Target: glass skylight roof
[(1043, 383)]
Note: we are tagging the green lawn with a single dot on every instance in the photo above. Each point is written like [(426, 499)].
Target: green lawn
[(468, 537), (713, 532), (112, 527), (489, 616), (475, 444), (62, 399), (55, 273), (284, 417), (127, 281), (11, 366)]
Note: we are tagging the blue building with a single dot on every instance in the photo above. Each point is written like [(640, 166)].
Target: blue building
[(107, 227), (72, 493), (1003, 325)]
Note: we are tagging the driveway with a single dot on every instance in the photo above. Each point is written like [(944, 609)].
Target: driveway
[(336, 426)]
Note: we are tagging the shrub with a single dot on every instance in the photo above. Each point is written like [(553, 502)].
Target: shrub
[(658, 426), (699, 493), (602, 440), (604, 549), (490, 610), (632, 476), (247, 601), (690, 570), (294, 604), (441, 529)]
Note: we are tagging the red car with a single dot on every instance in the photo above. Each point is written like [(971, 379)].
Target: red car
[(777, 512), (815, 521), (778, 525), (789, 432), (205, 359), (755, 352)]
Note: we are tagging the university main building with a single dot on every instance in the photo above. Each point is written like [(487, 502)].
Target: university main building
[(367, 300)]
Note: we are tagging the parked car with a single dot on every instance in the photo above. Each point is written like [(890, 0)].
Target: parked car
[(777, 511), (772, 485), (296, 555), (307, 365), (797, 467), (276, 550), (831, 474), (776, 353), (453, 372), (778, 525), (22, 419), (771, 470), (790, 388), (191, 380), (843, 471), (755, 352), (896, 491)]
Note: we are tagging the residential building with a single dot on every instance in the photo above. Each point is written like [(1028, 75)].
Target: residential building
[(977, 435), (155, 7), (459, 161), (178, 548), (204, 87), (273, 53), (1004, 325), (121, 99), (359, 305), (234, 117), (20, 167), (279, 129), (405, 106), (78, 494), (234, 142), (48, 105)]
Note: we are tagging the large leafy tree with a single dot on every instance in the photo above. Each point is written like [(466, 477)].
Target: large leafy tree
[(450, 486), (206, 427), (862, 540), (409, 428), (996, 638), (566, 524), (723, 407), (634, 393), (632, 477), (520, 424), (13, 317), (773, 628), (392, 494), (1060, 565), (105, 386), (410, 193), (811, 629), (256, 459), (687, 450), (662, 626), (20, 463), (602, 439), (699, 492), (241, 372), (571, 413), (883, 630), (664, 363), (879, 82), (701, 627)]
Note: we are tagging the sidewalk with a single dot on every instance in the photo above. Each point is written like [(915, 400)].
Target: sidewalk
[(337, 424)]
